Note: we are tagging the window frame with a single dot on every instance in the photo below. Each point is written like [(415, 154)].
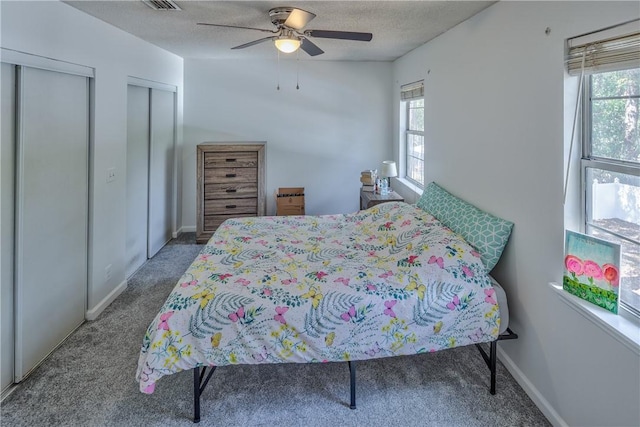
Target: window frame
[(589, 160), (407, 132)]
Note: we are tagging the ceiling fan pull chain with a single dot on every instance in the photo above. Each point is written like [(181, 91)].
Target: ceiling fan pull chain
[(278, 87), (298, 70)]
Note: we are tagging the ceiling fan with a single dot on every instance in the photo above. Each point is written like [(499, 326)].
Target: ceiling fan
[(290, 35)]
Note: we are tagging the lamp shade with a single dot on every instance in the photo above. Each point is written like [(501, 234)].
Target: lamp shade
[(287, 45), (388, 169)]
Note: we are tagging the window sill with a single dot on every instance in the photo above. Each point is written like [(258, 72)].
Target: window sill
[(624, 327), (406, 187)]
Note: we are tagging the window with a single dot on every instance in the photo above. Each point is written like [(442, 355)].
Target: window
[(412, 108), (608, 63), (414, 137), (611, 170)]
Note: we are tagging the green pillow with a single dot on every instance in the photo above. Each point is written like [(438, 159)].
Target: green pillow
[(488, 234)]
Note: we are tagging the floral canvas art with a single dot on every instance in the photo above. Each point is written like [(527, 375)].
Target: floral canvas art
[(592, 270)]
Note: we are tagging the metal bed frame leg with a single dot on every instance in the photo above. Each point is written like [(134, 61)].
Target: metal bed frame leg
[(352, 372), (196, 395), (492, 358), (199, 384)]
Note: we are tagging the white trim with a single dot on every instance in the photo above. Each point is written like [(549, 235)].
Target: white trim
[(175, 181), (410, 186), (93, 313), (543, 404), (26, 374), (19, 207), (181, 230), (188, 229), (623, 329), (11, 56), (407, 189), (136, 81), (8, 390)]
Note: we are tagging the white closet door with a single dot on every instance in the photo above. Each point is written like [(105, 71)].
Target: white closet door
[(7, 155), (137, 176), (161, 169), (52, 212)]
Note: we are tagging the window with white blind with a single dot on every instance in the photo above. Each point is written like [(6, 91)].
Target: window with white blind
[(609, 64), (412, 98)]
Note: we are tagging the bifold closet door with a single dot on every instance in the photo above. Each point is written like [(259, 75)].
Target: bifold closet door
[(52, 212), (137, 176), (161, 168), (7, 156)]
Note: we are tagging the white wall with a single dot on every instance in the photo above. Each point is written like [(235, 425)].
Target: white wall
[(319, 137), (494, 132), (58, 31)]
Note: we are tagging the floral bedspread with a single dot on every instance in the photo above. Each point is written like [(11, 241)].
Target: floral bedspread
[(386, 281)]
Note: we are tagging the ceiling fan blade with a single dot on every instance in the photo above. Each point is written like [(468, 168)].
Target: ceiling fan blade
[(242, 46), (298, 19), (309, 47), (343, 35), (236, 26)]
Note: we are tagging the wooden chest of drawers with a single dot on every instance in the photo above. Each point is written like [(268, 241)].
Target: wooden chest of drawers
[(230, 184)]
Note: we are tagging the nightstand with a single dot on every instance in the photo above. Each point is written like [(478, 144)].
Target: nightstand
[(369, 198)]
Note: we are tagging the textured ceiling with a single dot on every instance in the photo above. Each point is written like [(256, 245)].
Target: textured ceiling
[(397, 26)]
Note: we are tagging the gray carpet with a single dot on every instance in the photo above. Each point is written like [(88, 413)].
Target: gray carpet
[(90, 379)]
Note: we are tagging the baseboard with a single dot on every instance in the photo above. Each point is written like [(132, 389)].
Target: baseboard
[(531, 390), (99, 308), (183, 229), (7, 391)]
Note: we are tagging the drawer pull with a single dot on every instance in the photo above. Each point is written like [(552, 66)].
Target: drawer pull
[(231, 206), (231, 190), (231, 175), (231, 160)]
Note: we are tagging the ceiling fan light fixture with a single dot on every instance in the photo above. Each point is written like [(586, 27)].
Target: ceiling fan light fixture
[(287, 44)]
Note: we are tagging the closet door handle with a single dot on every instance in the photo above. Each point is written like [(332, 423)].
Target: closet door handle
[(231, 175), (231, 206), (231, 190)]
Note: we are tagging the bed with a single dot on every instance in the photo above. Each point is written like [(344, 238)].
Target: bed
[(387, 281)]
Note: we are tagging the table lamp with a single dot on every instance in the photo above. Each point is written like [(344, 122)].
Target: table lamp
[(388, 170)]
